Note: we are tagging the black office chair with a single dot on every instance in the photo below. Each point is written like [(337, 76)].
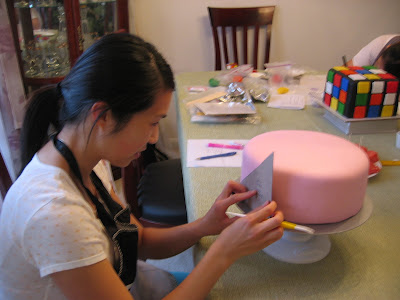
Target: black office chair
[(154, 190), (241, 19)]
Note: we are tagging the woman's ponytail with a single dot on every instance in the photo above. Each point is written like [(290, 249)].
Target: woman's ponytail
[(42, 111)]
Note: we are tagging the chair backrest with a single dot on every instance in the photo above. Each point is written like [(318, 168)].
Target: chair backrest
[(243, 19), (154, 189), (5, 179), (132, 174)]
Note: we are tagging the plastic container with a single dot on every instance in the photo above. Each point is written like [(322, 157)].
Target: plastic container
[(279, 74), (258, 88), (226, 77)]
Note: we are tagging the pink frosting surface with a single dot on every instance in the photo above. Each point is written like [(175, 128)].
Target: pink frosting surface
[(318, 178)]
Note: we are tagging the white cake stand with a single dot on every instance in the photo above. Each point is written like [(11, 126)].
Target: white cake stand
[(302, 248)]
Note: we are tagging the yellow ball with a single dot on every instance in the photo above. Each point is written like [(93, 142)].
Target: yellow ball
[(283, 90)]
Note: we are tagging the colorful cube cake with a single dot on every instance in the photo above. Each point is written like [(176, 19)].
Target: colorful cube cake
[(362, 92)]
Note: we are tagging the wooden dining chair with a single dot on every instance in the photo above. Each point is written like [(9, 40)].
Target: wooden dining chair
[(154, 190), (233, 21), (5, 179)]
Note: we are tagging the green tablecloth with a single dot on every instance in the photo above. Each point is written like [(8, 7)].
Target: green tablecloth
[(363, 263)]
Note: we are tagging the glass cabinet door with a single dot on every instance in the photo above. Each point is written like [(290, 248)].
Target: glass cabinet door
[(50, 35), (98, 18), (43, 40)]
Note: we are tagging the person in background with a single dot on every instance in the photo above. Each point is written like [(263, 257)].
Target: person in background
[(383, 53), (36, 19), (37, 22), (64, 234)]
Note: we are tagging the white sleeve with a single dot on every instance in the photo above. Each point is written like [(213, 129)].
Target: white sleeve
[(63, 235), (367, 55), (104, 172)]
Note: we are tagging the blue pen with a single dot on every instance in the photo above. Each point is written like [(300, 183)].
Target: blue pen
[(217, 155)]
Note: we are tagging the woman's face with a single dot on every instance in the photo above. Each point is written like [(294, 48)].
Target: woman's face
[(127, 144)]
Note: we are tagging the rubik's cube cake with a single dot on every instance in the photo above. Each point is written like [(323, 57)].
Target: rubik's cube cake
[(362, 92)]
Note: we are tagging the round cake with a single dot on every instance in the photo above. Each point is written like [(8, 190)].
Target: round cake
[(317, 177)]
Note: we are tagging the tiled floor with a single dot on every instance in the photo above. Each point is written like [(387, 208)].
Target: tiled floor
[(182, 262)]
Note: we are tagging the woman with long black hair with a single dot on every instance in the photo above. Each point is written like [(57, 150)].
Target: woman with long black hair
[(64, 234)]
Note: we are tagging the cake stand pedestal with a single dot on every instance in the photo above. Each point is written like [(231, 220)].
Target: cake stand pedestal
[(301, 248)]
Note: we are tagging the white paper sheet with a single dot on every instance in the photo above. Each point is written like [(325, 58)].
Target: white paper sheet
[(311, 87), (287, 101), (214, 109), (198, 148), (313, 82)]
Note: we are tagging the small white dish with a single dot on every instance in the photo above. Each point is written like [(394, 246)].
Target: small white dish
[(379, 165)]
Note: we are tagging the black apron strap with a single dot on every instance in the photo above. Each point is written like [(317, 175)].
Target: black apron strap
[(104, 216), (115, 219)]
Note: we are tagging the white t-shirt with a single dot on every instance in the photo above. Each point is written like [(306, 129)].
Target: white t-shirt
[(46, 226), (368, 55)]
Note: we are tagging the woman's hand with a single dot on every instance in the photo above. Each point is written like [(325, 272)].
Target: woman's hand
[(244, 236), (251, 233), (161, 243), (216, 220)]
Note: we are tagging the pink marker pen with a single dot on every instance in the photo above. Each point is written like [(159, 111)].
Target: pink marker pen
[(237, 147)]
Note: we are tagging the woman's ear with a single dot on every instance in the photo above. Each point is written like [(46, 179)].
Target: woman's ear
[(100, 114)]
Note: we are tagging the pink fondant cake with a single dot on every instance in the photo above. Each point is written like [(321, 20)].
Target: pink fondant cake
[(317, 177)]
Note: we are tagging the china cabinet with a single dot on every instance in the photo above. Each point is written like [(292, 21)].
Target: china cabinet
[(50, 35)]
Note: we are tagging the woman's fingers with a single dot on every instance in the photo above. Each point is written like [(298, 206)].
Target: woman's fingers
[(272, 236), (232, 187), (264, 224), (246, 235), (268, 230), (235, 198), (273, 222), (263, 212)]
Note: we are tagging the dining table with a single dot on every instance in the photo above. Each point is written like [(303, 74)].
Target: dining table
[(362, 263)]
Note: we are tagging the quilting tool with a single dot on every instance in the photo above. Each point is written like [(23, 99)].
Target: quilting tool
[(216, 155), (285, 224), (237, 147), (390, 162)]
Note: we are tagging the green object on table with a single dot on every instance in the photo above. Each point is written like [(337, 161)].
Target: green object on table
[(213, 82)]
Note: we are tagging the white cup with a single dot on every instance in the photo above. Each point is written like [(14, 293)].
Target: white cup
[(398, 139)]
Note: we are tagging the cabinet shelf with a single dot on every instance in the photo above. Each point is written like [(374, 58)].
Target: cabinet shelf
[(25, 4), (50, 35)]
